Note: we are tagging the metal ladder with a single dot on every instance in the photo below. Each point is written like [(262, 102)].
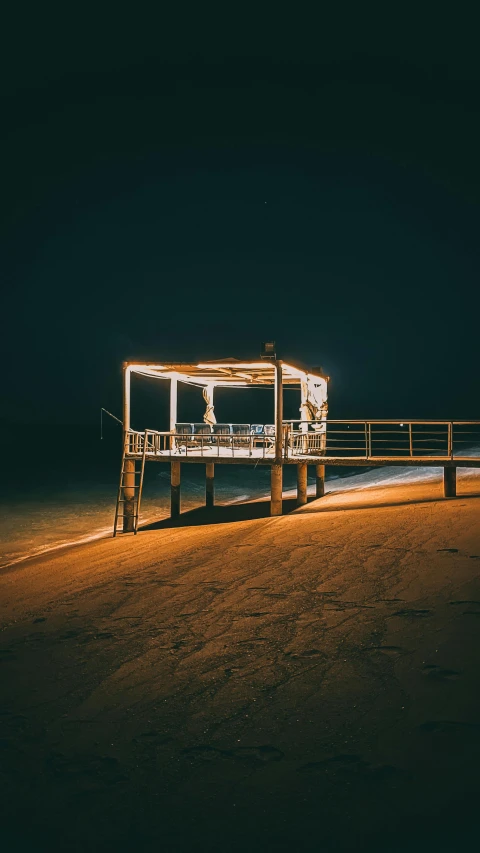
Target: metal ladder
[(137, 486)]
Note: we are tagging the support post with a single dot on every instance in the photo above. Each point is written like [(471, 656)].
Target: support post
[(173, 411), (209, 485), (129, 496), (126, 395), (302, 472), (129, 464), (450, 482), (276, 490), (305, 414), (320, 480), (278, 411), (175, 488)]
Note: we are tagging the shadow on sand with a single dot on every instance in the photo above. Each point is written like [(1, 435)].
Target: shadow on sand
[(355, 502), (220, 514), (261, 508)]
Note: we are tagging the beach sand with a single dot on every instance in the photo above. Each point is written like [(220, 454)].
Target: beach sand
[(241, 682)]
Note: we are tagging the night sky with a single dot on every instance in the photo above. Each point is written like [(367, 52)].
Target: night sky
[(185, 188)]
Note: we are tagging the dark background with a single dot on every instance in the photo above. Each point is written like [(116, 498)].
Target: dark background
[(188, 184)]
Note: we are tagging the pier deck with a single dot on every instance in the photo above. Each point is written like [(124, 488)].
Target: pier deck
[(350, 461)]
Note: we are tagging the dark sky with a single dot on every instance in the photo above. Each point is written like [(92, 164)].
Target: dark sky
[(186, 187)]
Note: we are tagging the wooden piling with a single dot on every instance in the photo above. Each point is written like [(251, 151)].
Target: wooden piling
[(129, 496), (173, 411), (302, 472), (278, 412), (276, 490), (175, 488), (209, 485), (450, 482), (320, 480)]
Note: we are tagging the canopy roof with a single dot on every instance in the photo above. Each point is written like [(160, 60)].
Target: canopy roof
[(228, 372)]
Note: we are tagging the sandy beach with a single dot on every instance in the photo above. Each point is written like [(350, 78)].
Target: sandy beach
[(241, 682)]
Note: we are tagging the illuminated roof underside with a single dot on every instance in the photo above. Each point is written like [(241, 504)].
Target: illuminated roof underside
[(228, 372)]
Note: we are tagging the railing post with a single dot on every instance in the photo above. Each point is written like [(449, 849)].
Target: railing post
[(450, 440), (286, 434), (369, 440), (410, 439), (366, 440)]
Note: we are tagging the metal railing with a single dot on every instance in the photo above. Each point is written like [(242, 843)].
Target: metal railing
[(339, 439), (391, 439), (150, 442), (241, 443)]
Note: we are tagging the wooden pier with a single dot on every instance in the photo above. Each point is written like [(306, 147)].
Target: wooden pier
[(311, 440)]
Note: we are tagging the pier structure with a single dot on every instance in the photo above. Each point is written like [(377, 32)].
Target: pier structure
[(312, 439)]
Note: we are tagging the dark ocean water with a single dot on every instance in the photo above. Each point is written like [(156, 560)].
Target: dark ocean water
[(60, 487)]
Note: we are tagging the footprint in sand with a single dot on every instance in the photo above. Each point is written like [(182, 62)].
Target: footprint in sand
[(250, 754), (93, 770), (468, 603), (153, 737), (436, 673), (262, 754), (344, 767), (447, 550), (308, 653), (391, 651), (412, 614), (203, 753)]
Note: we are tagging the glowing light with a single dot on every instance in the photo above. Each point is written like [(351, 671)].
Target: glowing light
[(147, 367), (234, 365), (234, 384)]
